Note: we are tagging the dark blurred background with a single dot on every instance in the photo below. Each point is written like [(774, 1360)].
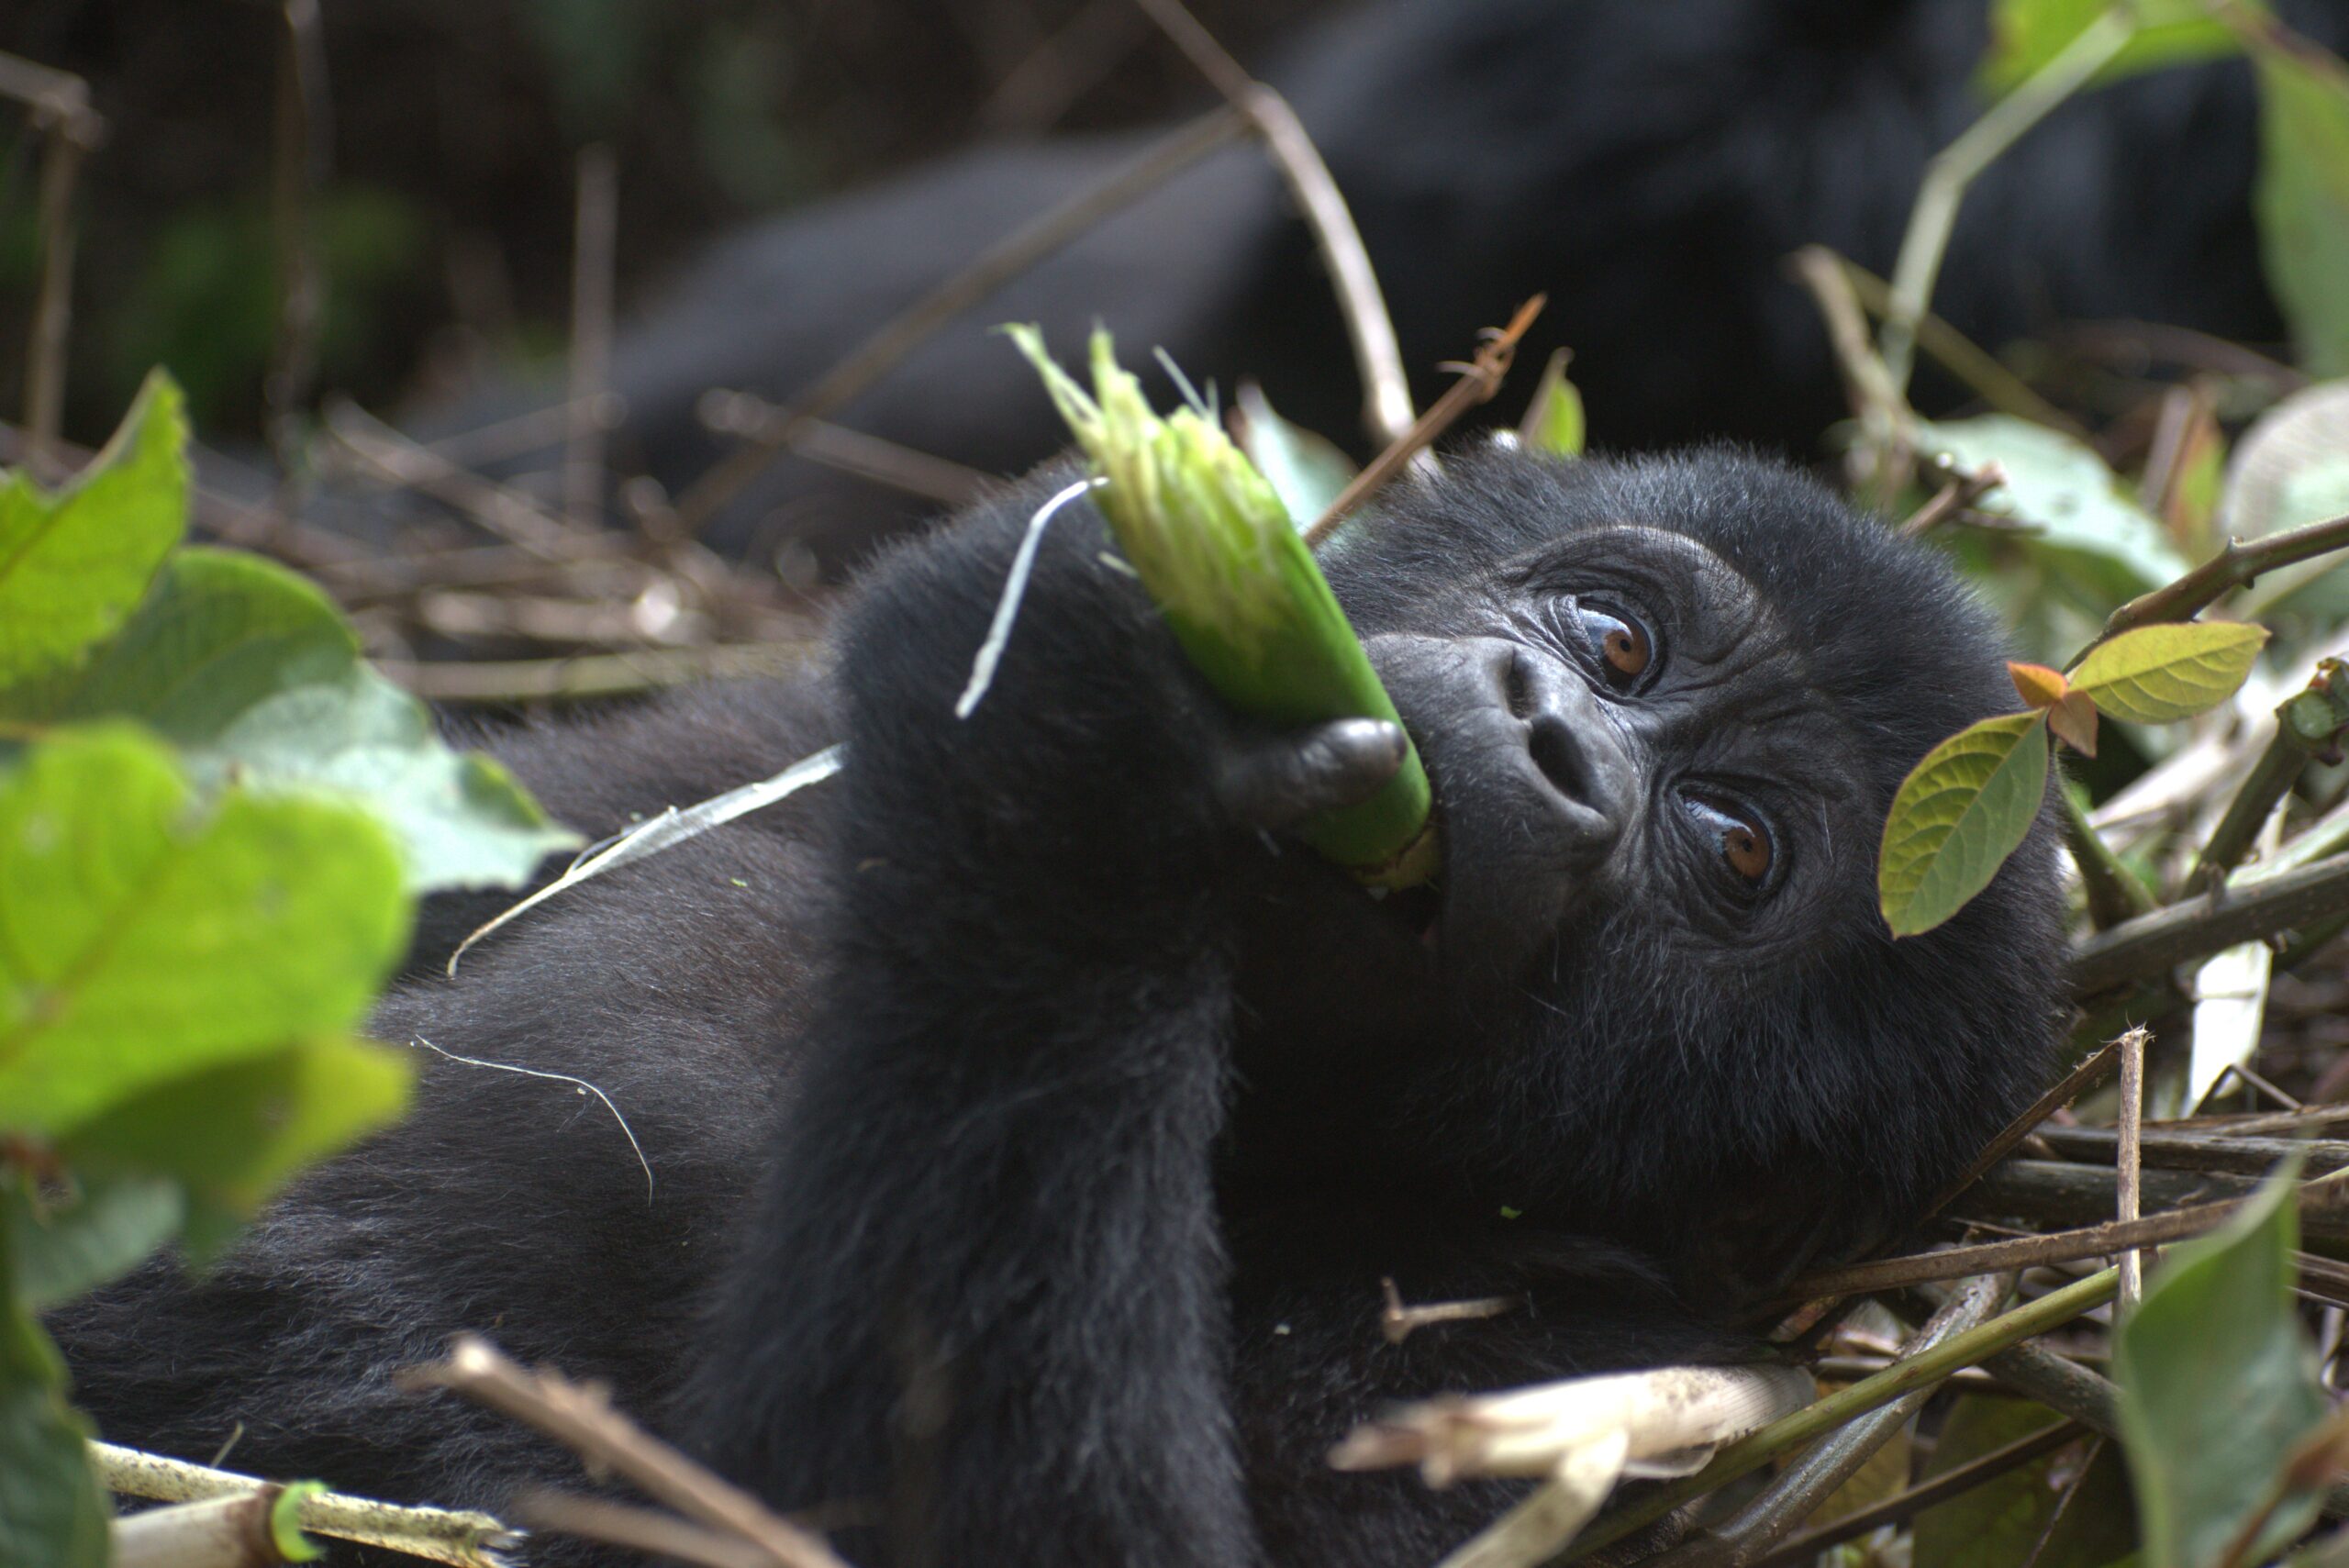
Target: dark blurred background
[(445, 226)]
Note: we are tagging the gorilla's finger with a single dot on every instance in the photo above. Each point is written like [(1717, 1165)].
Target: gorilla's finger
[(1276, 782)]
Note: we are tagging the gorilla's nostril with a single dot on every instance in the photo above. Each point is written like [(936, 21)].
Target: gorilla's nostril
[(1560, 757), (1516, 686)]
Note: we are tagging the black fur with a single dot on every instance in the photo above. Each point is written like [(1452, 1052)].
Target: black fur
[(1032, 1135)]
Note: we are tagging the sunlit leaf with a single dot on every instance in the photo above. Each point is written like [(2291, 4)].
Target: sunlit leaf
[(2038, 686), (257, 677), (2026, 34), (2072, 720), (1553, 421), (1958, 816), (2158, 674), (1306, 470), (2302, 201), (74, 562), (143, 939), (2219, 1387)]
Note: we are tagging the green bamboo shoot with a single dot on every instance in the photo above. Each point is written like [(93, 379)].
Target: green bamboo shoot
[(1218, 553)]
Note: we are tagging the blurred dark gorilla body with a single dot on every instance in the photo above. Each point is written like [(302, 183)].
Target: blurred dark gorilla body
[(1030, 1123), (1650, 164)]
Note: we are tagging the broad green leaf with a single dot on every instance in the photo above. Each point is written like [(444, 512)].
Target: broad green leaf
[(67, 1245), (2027, 34), (52, 1511), (2218, 1386), (2302, 202), (1998, 1524), (1957, 816), (74, 562), (1306, 470), (2158, 674), (1553, 421), (236, 1132), (2084, 523), (143, 939), (258, 678)]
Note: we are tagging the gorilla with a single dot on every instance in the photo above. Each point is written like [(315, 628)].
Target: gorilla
[(1649, 164), (1027, 1120)]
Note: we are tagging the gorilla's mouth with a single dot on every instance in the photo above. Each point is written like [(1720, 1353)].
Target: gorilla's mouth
[(1419, 912)]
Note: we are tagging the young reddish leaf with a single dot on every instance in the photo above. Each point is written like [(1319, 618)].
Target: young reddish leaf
[(2038, 686), (2072, 718), (1958, 816), (2157, 674)]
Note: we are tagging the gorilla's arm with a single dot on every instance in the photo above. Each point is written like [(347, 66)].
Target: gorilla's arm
[(982, 1293)]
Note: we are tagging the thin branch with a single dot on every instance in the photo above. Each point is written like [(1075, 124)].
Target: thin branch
[(580, 1418), (2127, 1163), (1959, 496), (2103, 1240), (1887, 423), (1962, 358), (593, 233), (460, 1539), (1396, 1322), (1378, 358), (647, 1530), (751, 418), (502, 510), (1478, 382), (2070, 1087), (1955, 168), (2165, 1148), (994, 267), (2239, 912)]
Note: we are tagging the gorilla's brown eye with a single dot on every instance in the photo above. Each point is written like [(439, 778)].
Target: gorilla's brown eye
[(1741, 837), (1623, 646)]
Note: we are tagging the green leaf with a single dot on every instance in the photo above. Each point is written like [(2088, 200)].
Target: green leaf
[(102, 1229), (2158, 674), (1306, 470), (52, 1512), (1957, 816), (2218, 1386), (1999, 1523), (1553, 421), (259, 679), (2085, 525), (2302, 201), (2026, 34), (235, 1133), (73, 563), (141, 940)]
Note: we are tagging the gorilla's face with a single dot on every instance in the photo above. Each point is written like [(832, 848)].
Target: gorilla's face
[(1664, 705)]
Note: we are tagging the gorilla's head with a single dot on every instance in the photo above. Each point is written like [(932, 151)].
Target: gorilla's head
[(1666, 704)]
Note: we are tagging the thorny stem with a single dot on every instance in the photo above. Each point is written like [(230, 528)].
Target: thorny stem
[(2307, 722), (2149, 944), (1955, 167), (2114, 893), (2237, 565)]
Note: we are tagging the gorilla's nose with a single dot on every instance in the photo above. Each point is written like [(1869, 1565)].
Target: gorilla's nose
[(1520, 749), (1573, 746)]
